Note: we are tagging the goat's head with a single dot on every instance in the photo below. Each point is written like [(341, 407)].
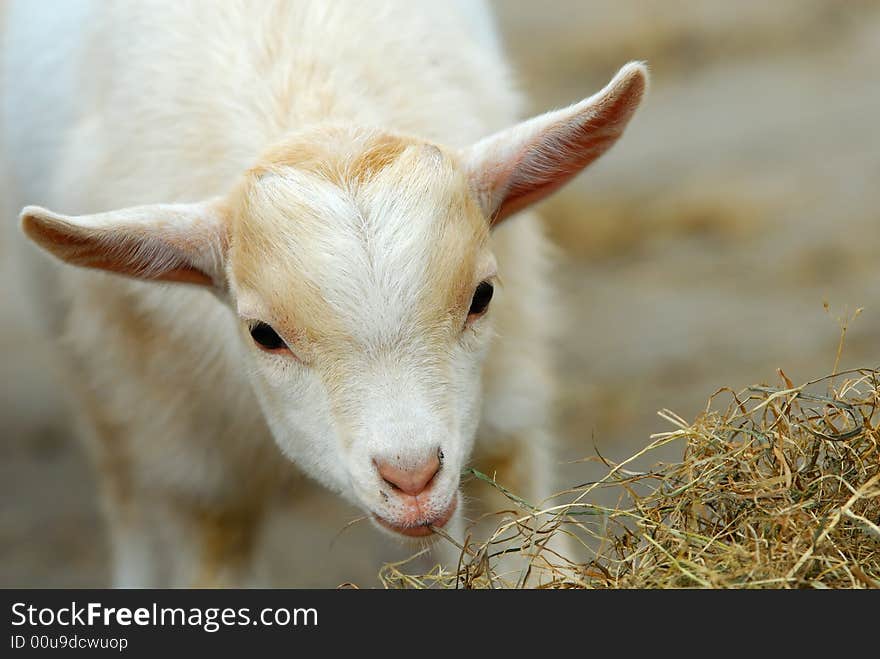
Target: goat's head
[(358, 265)]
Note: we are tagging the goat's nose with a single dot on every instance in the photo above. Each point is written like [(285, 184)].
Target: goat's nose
[(411, 481)]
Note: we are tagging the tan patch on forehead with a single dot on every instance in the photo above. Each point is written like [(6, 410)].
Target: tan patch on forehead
[(464, 235), (421, 185), (262, 264), (340, 156), (379, 155)]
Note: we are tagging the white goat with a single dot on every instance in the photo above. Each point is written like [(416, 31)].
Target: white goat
[(339, 219)]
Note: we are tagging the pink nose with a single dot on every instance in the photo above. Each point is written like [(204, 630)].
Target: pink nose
[(410, 481)]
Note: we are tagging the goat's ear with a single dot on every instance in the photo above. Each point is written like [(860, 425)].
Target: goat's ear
[(523, 164), (166, 242)]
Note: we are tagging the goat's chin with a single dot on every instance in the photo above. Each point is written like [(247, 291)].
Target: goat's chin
[(420, 534)]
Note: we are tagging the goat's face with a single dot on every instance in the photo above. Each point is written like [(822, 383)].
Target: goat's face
[(360, 268)]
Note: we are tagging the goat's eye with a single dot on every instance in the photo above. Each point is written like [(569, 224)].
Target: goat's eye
[(266, 337), (482, 297)]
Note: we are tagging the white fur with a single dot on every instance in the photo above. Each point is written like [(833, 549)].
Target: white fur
[(117, 106)]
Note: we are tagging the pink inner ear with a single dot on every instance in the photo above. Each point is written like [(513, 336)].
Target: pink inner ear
[(564, 149), (184, 276)]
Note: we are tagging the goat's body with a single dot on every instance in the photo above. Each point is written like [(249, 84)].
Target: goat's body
[(134, 103)]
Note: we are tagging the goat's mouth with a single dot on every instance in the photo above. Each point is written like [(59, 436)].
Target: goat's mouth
[(423, 527)]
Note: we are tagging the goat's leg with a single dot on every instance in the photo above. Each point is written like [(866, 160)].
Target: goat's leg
[(165, 531), (135, 548), (214, 546), (161, 539)]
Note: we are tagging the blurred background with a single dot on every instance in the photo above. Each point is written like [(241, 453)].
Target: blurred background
[(701, 252)]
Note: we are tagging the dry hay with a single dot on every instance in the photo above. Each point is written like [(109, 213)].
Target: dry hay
[(778, 487)]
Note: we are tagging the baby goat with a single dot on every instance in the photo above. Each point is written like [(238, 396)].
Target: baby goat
[(339, 268)]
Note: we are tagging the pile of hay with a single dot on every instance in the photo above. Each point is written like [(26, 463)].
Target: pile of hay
[(777, 488)]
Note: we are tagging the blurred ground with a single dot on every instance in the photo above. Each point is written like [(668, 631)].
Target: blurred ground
[(697, 254)]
